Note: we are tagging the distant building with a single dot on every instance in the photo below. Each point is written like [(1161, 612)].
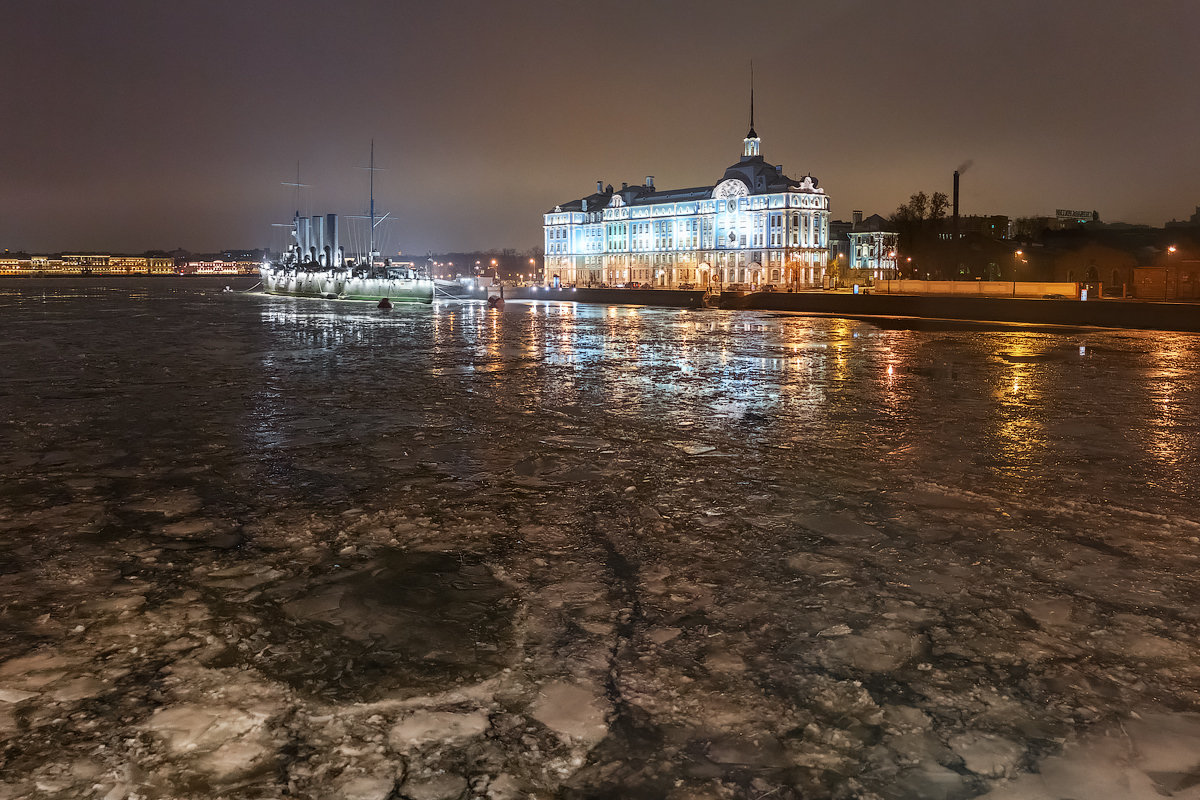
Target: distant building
[(1097, 265), (46, 264), (1175, 276), (85, 263), (993, 226), (754, 226), (839, 240), (220, 267), (873, 249), (128, 265), (1063, 219), (1192, 222)]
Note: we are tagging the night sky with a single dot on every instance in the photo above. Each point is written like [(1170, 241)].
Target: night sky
[(169, 123)]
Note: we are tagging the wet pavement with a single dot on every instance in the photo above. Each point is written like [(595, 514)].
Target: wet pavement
[(255, 547)]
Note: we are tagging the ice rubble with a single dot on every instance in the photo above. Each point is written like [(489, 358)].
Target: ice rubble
[(553, 582)]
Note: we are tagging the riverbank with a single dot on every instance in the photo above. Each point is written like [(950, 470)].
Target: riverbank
[(1110, 313)]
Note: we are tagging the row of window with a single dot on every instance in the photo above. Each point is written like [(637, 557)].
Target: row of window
[(806, 230), (673, 260)]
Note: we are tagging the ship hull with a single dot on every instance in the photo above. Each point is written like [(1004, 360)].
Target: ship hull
[(340, 285)]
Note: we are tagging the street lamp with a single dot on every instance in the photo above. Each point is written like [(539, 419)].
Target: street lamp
[(1167, 272)]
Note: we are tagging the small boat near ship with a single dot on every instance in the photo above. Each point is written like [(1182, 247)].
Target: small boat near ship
[(315, 265)]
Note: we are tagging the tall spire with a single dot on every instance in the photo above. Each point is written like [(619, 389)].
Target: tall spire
[(752, 144), (751, 134)]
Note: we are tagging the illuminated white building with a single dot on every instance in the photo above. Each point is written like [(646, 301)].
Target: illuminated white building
[(755, 226), (873, 248)]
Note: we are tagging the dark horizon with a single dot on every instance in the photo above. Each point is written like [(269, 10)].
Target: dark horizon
[(138, 125)]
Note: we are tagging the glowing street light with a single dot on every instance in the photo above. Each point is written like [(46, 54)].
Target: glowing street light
[(1167, 273)]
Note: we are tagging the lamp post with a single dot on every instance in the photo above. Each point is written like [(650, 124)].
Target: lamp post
[(1167, 271)]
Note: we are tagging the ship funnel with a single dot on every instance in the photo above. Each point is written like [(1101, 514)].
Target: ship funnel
[(331, 239), (318, 233)]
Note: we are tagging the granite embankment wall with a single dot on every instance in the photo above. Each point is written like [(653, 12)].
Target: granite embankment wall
[(1099, 313)]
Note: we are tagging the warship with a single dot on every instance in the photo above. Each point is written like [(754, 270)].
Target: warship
[(315, 264)]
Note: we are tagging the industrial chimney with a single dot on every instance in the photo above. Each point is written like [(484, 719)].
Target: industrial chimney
[(856, 217), (955, 226)]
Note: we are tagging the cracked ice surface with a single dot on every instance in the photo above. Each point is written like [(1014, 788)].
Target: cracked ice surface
[(254, 547)]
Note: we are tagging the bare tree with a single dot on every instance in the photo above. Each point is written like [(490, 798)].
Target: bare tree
[(919, 204), (938, 205)]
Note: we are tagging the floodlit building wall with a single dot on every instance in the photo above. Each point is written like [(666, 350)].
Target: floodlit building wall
[(1025, 289)]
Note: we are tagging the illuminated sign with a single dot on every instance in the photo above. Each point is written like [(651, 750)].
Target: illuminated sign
[(1063, 213)]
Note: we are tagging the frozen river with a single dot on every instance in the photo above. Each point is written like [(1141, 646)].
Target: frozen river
[(258, 547)]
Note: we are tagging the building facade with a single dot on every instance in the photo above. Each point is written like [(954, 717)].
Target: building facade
[(873, 249), (755, 226), (220, 267)]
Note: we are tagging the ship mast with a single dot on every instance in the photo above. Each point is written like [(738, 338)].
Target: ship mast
[(296, 244), (371, 246), (370, 215)]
